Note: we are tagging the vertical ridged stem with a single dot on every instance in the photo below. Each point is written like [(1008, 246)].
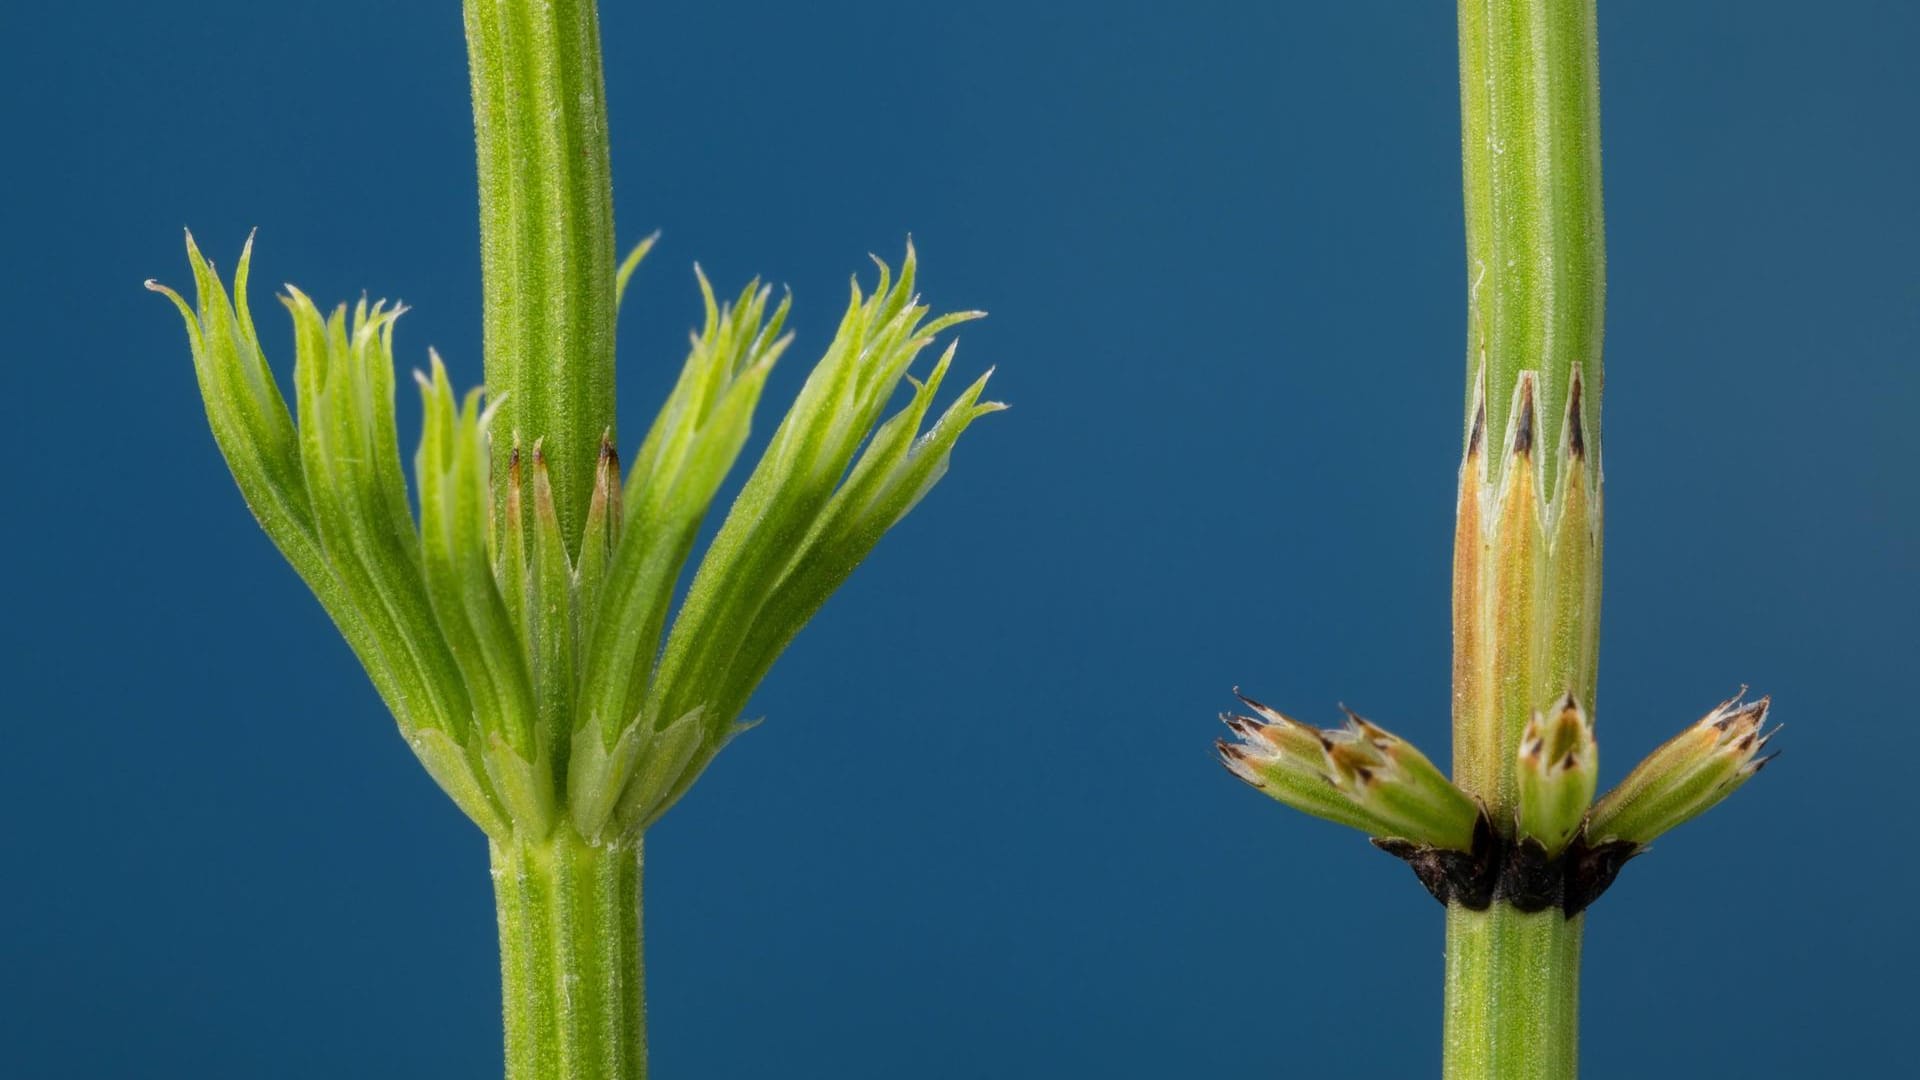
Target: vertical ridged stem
[(1513, 994), (1536, 260), (546, 233), (572, 986), (1527, 545)]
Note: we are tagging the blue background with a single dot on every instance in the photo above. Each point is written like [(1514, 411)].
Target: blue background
[(981, 833)]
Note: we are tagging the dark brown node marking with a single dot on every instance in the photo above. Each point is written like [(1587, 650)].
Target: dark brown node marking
[(1519, 873)]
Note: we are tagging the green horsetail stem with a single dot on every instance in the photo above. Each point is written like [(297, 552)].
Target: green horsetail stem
[(521, 629), (1513, 843), (548, 278)]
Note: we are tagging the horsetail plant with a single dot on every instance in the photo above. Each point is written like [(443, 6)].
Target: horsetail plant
[(518, 628), (1514, 844)]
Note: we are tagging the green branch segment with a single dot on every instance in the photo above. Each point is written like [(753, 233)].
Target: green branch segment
[(546, 233)]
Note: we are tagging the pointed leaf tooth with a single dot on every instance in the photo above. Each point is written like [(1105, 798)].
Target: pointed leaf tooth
[(1520, 440), (513, 554), (602, 531), (1477, 761), (486, 608), (1574, 430), (663, 769), (629, 264), (552, 622), (1519, 568)]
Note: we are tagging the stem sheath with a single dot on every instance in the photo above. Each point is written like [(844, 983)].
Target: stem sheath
[(570, 961)]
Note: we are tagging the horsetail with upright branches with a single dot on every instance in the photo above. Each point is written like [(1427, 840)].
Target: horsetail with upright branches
[(1514, 844), (519, 629)]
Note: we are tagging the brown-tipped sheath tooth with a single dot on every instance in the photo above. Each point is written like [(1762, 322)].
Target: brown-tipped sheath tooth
[(1576, 430), (1754, 766), (1523, 424), (1256, 706), (1478, 431), (1361, 724)]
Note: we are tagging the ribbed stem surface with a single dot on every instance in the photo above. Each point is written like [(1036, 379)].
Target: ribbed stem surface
[(546, 233), (1513, 995), (572, 982), (1536, 256), (1527, 546)]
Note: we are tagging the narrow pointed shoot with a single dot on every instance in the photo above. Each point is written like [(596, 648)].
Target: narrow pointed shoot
[(1358, 775), (1558, 771), (1688, 775)]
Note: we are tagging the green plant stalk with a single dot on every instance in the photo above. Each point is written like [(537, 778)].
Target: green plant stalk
[(1513, 993), (570, 971), (546, 235), (569, 911), (1527, 549)]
